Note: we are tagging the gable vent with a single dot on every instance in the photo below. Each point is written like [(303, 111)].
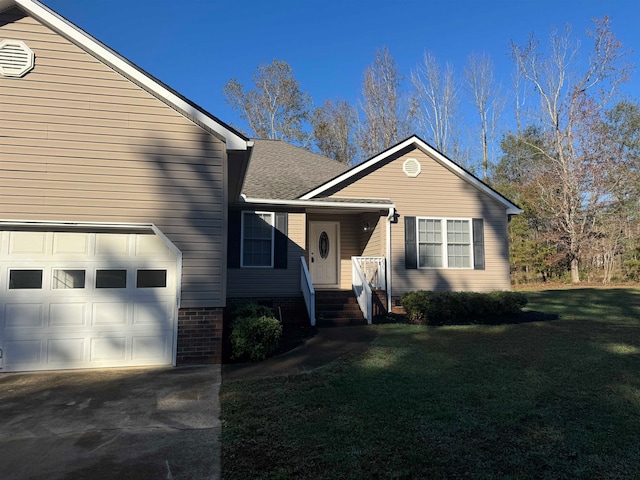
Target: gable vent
[(411, 167), (16, 59)]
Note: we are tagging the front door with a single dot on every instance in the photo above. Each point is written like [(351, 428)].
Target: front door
[(323, 253)]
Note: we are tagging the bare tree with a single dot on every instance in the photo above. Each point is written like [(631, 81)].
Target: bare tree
[(437, 100), (386, 118), (276, 108), (333, 129), (486, 98), (570, 100), (520, 98)]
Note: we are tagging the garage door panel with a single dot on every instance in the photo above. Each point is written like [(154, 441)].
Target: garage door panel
[(25, 352), (70, 243), (65, 351), (32, 243), (67, 314), (67, 317), (112, 244), (148, 313), (108, 349), (150, 347), (23, 315), (113, 313), (151, 246)]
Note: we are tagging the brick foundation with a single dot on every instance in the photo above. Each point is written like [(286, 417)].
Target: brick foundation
[(199, 335), (396, 306)]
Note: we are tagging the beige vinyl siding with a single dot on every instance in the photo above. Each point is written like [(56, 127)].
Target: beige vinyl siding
[(439, 193), (273, 282), (373, 243), (82, 143)]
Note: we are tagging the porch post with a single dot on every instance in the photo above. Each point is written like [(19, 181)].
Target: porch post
[(387, 263)]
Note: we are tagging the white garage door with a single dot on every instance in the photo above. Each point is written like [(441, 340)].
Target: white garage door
[(86, 300)]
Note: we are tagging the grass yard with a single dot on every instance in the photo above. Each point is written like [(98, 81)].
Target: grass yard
[(558, 399)]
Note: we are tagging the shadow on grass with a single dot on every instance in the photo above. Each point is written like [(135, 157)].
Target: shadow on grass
[(550, 399), (526, 316)]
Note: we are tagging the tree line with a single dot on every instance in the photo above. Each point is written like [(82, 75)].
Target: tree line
[(569, 159)]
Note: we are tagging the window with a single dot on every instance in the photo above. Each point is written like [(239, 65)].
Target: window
[(111, 279), (429, 243), (257, 239), (458, 244), (151, 278), (444, 243), (25, 279), (66, 279)]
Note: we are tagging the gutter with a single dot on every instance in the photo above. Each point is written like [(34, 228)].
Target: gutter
[(314, 203)]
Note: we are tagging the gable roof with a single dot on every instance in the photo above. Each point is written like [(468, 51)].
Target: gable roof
[(279, 170), (234, 139), (379, 160)]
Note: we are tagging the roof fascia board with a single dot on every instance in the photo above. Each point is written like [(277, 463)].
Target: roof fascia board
[(316, 203), (427, 149), (57, 22)]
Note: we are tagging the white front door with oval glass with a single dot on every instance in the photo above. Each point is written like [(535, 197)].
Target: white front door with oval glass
[(323, 253)]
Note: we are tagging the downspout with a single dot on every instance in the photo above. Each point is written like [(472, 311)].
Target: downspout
[(390, 217)]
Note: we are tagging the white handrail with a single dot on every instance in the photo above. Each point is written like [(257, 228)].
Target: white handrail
[(374, 271), (361, 289), (308, 292)]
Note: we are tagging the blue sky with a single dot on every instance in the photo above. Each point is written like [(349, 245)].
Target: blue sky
[(196, 46)]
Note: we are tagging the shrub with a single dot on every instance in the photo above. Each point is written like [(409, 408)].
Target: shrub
[(254, 338), (414, 305), (247, 308), (447, 308)]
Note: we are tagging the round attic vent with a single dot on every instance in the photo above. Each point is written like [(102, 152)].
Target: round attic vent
[(16, 59), (411, 167)]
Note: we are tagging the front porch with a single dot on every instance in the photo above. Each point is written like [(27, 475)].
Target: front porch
[(345, 252), (359, 305)]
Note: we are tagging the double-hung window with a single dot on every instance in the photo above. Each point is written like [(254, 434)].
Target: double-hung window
[(459, 243), (444, 243), (257, 239), (429, 243)]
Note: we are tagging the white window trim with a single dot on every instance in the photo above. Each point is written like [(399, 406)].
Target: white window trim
[(443, 245), (273, 227)]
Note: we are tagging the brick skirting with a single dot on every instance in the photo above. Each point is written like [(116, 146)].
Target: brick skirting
[(396, 306), (199, 335)]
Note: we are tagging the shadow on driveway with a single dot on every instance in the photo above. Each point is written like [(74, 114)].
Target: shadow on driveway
[(160, 423)]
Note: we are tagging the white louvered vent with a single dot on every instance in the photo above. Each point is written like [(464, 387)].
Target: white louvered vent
[(411, 167), (16, 59)]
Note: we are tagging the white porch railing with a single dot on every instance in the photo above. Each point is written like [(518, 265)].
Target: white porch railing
[(374, 271), (361, 289), (308, 292)]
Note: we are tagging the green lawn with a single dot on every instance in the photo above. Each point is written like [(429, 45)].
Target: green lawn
[(557, 399)]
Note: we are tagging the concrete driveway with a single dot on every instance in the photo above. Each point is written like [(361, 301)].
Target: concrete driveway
[(161, 423)]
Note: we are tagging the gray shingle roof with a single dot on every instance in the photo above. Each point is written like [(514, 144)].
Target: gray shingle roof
[(279, 170)]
